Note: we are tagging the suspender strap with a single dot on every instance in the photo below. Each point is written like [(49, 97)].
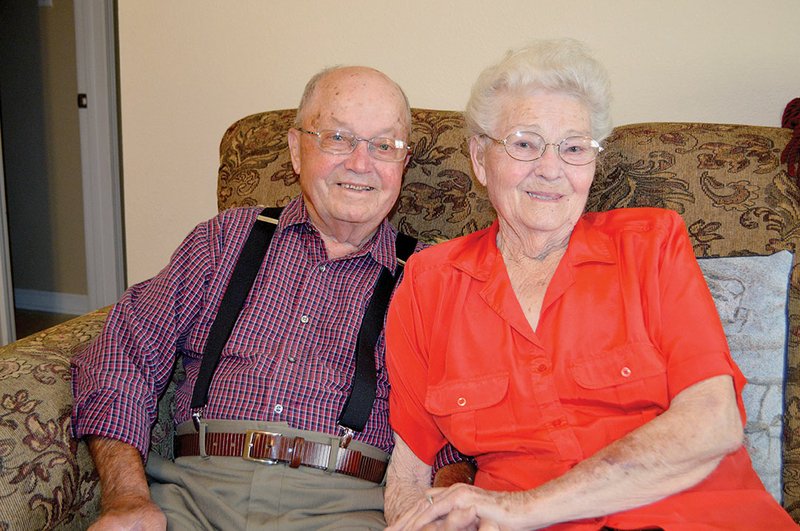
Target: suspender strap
[(242, 278), (358, 406)]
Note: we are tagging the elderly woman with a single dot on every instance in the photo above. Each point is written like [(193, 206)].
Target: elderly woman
[(578, 357)]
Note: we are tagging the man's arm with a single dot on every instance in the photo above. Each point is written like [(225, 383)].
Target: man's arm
[(125, 499), (669, 454)]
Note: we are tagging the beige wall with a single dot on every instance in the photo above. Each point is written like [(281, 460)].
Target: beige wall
[(191, 67)]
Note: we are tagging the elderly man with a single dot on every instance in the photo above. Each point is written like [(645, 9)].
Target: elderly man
[(285, 372)]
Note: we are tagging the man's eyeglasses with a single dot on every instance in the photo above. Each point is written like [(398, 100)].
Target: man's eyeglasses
[(344, 142), (527, 146)]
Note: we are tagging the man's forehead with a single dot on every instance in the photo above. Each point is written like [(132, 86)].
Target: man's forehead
[(372, 100), (357, 84)]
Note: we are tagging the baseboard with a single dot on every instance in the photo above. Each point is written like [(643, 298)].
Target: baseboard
[(51, 301)]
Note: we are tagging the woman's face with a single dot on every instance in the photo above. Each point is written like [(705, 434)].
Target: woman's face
[(545, 195)]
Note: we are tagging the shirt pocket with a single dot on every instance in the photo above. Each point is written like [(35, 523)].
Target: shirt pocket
[(631, 376), (464, 404)]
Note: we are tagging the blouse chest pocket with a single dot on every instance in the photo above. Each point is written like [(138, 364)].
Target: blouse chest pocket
[(463, 405), (630, 376)]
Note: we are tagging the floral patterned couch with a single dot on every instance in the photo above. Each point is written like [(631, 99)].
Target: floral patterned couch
[(726, 180)]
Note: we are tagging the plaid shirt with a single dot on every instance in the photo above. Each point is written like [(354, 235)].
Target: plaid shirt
[(290, 356)]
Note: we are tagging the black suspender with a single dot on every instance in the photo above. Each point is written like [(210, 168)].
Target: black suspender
[(358, 406), (242, 278)]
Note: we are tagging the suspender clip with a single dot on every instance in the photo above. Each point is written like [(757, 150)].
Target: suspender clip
[(346, 437), (197, 417)]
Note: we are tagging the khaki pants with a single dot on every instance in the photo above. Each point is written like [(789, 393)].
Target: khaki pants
[(231, 493)]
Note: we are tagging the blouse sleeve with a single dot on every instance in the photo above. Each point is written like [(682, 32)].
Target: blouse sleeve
[(407, 363)]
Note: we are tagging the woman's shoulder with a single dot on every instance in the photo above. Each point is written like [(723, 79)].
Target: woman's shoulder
[(636, 219), (454, 252)]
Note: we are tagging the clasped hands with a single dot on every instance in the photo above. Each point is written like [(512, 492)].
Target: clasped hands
[(462, 507)]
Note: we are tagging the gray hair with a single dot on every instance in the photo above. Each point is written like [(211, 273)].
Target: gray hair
[(560, 65), (311, 88)]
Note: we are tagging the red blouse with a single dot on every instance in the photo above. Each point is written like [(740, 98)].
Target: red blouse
[(626, 324)]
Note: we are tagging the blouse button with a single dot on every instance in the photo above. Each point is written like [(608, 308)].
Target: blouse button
[(625, 372), (542, 367), (461, 401)]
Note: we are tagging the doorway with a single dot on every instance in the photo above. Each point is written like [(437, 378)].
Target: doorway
[(60, 158)]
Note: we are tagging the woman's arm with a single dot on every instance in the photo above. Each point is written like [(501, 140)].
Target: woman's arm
[(669, 454), (407, 480)]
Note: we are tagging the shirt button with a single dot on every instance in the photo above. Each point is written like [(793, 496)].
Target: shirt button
[(625, 372), (291, 359), (322, 268), (461, 401), (304, 319), (278, 409), (541, 367)]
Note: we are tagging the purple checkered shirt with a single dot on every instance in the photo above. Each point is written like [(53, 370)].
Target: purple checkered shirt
[(290, 356)]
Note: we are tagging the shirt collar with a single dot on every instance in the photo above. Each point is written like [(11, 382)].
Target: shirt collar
[(381, 247), (586, 244), (589, 243)]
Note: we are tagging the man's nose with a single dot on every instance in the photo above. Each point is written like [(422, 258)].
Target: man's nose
[(359, 160)]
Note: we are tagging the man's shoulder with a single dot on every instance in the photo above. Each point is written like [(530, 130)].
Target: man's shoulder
[(236, 214), (233, 222)]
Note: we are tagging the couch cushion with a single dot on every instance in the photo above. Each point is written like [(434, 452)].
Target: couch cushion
[(751, 294)]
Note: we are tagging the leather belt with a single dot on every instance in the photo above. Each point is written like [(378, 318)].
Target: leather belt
[(272, 448)]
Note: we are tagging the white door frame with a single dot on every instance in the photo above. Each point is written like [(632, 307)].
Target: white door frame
[(95, 47), (7, 329)]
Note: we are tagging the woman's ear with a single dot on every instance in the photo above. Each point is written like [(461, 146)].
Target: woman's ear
[(477, 154), (294, 148)]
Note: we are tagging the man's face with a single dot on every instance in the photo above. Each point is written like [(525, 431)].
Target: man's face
[(354, 191)]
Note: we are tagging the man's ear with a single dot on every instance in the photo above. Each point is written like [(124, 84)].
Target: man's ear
[(294, 148), (477, 154)]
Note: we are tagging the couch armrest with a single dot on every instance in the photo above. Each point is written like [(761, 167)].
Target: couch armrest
[(463, 472), (47, 479)]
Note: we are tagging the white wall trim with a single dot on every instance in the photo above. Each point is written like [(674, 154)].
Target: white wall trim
[(51, 301)]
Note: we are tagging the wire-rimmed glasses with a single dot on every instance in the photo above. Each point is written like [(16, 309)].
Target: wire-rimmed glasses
[(338, 142), (527, 146)]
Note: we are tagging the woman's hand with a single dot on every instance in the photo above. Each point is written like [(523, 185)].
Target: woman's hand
[(428, 515), (464, 508)]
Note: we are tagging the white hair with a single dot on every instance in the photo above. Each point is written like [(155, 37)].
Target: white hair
[(560, 65)]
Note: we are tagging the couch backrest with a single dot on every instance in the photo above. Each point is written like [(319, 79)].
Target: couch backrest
[(440, 197), (725, 180)]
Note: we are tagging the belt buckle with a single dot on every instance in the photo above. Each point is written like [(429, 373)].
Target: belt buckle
[(249, 438)]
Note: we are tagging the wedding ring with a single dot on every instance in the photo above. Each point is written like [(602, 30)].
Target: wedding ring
[(429, 498)]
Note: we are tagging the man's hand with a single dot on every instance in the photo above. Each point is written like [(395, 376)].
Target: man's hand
[(125, 497)]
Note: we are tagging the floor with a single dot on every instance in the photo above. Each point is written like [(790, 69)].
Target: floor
[(29, 322)]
